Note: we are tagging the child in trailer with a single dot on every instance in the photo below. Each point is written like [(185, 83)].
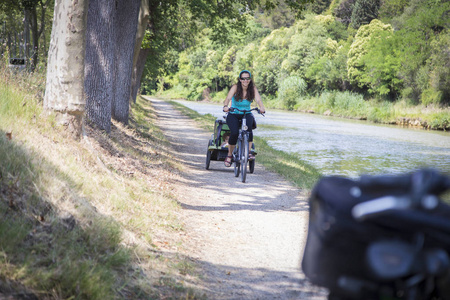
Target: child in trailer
[(226, 137)]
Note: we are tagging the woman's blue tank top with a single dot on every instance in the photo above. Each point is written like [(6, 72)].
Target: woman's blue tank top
[(242, 105)]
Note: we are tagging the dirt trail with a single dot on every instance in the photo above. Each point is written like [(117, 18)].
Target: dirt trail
[(247, 237)]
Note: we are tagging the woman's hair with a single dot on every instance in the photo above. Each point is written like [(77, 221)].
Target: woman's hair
[(250, 90)]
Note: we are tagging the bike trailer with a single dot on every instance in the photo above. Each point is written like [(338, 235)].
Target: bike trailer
[(220, 128), (215, 150), (337, 244)]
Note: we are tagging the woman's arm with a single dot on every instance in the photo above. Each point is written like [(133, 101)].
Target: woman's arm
[(229, 97), (258, 100)]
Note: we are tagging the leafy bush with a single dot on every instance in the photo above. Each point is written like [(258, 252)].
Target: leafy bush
[(351, 102), (291, 89)]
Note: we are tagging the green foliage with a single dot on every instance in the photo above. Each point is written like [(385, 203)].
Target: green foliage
[(282, 16), (344, 11), (440, 121), (306, 45), (364, 11), (382, 64), (244, 58), (360, 47), (318, 6), (392, 8), (422, 27), (291, 89), (225, 66), (439, 70), (381, 112), (271, 53)]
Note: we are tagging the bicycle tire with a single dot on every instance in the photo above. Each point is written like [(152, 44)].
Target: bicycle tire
[(208, 155), (251, 166), (236, 157), (208, 159), (244, 158)]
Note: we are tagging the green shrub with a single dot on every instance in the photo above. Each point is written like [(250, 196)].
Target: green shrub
[(381, 112), (290, 90)]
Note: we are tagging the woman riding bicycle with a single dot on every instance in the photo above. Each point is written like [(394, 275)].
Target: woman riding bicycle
[(241, 96)]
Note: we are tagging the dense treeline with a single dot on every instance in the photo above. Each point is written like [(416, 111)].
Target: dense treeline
[(386, 50)]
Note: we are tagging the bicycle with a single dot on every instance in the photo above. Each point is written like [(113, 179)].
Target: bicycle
[(241, 151), (380, 237)]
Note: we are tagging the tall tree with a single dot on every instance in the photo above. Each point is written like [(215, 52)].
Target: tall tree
[(64, 92), (127, 22), (140, 55), (100, 62), (110, 35), (364, 11)]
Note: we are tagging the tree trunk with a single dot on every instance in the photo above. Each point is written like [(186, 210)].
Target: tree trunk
[(139, 70), (26, 37), (144, 15), (127, 20), (64, 91), (100, 62), (35, 37)]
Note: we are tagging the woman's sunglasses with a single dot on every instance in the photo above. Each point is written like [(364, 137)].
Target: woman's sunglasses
[(245, 78)]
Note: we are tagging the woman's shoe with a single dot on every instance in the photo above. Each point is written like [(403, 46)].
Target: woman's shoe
[(251, 156), (227, 161)]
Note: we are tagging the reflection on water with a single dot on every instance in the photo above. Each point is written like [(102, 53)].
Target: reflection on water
[(349, 148)]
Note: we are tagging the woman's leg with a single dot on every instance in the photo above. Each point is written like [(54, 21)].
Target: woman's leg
[(233, 124)]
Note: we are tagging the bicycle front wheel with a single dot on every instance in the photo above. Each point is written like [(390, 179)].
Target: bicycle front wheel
[(236, 158), (244, 158)]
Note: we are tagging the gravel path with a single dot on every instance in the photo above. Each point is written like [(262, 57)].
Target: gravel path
[(247, 237)]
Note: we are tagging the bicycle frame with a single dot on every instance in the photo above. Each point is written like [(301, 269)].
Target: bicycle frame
[(240, 153)]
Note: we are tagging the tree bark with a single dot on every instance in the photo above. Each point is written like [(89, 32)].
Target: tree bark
[(26, 36), (35, 37), (139, 70), (64, 91), (100, 62), (127, 20), (144, 15)]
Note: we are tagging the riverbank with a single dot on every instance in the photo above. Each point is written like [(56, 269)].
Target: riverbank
[(353, 106)]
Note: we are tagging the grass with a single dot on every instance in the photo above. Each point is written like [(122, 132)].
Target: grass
[(353, 105), (90, 219), (290, 166)]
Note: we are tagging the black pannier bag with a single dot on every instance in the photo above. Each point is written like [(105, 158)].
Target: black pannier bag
[(336, 245)]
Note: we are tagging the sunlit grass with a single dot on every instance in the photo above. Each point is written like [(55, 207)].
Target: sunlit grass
[(272, 127)]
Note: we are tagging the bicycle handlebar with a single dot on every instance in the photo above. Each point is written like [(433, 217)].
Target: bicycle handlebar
[(246, 110), (424, 186)]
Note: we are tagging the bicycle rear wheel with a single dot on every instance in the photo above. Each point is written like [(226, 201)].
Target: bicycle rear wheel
[(251, 166), (244, 158), (208, 158)]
